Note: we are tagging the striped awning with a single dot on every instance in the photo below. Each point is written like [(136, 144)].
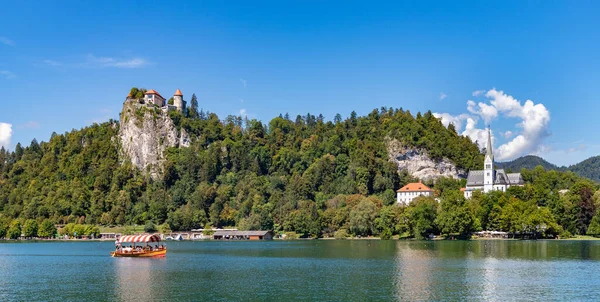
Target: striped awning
[(139, 238)]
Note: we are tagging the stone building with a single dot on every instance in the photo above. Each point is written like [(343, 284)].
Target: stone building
[(490, 179), (178, 101), (153, 98)]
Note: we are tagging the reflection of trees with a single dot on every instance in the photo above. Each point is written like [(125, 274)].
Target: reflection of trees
[(414, 271), (491, 270), (138, 279)]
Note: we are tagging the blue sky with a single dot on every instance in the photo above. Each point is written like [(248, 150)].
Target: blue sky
[(65, 65)]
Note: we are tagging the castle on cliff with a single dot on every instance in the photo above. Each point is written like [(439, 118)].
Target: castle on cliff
[(153, 98)]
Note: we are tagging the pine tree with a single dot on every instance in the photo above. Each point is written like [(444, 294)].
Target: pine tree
[(193, 110)]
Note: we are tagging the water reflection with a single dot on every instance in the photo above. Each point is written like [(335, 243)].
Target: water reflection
[(138, 279), (414, 268), (306, 270)]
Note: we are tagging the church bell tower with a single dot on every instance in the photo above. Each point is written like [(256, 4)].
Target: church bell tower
[(488, 165)]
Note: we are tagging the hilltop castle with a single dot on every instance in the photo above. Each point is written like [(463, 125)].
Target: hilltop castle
[(153, 98)]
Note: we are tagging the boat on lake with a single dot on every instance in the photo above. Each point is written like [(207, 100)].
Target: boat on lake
[(150, 247)]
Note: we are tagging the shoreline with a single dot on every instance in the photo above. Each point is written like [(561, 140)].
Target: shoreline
[(577, 238)]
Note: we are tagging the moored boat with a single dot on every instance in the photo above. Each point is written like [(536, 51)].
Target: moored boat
[(147, 250)]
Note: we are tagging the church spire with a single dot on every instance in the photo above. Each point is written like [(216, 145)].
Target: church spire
[(489, 152)]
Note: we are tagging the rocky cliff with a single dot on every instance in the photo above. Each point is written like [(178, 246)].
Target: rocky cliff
[(145, 133), (419, 164)]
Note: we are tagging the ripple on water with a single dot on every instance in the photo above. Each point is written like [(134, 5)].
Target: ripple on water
[(304, 270)]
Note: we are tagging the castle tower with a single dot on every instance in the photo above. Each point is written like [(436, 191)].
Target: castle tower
[(178, 101), (488, 165)]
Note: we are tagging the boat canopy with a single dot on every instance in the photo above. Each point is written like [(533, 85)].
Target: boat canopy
[(139, 238)]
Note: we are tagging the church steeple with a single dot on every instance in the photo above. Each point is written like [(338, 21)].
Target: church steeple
[(488, 165), (489, 152)]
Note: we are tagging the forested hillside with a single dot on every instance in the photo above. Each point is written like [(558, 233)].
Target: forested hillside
[(303, 175), (589, 168), (526, 162), (237, 172)]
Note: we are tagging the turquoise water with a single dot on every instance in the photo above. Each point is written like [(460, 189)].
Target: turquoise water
[(313, 270)]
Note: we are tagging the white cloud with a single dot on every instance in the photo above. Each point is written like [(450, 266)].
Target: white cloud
[(507, 134), (534, 123), (94, 61), (478, 92), (487, 112), (243, 113), (52, 63), (243, 82), (477, 135), (448, 119), (443, 96), (581, 147), (5, 134), (91, 61), (7, 41), (32, 125), (7, 74)]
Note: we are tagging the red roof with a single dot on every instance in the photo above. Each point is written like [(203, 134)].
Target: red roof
[(178, 93), (414, 187), (152, 91)]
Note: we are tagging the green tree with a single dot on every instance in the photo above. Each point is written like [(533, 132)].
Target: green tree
[(193, 109), (186, 218), (594, 227), (422, 213), (3, 227), (362, 218), (392, 220), (587, 208), (149, 227), (47, 229), (14, 231), (30, 228), (455, 216)]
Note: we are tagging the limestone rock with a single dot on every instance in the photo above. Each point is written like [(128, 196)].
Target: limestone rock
[(184, 139), (145, 133), (418, 163)]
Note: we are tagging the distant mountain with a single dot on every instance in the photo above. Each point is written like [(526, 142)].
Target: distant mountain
[(528, 162), (589, 168)]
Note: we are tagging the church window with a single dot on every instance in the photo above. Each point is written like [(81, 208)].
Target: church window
[(488, 166)]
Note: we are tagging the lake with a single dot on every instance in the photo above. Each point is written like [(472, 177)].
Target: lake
[(324, 270)]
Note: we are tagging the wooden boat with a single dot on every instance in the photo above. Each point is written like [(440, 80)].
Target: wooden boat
[(148, 250)]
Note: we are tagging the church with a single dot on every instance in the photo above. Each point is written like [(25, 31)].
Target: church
[(490, 179)]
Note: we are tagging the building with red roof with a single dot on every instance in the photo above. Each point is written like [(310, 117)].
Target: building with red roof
[(406, 194), (152, 97)]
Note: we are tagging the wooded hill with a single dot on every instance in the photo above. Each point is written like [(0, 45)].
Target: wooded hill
[(303, 174), (589, 168)]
